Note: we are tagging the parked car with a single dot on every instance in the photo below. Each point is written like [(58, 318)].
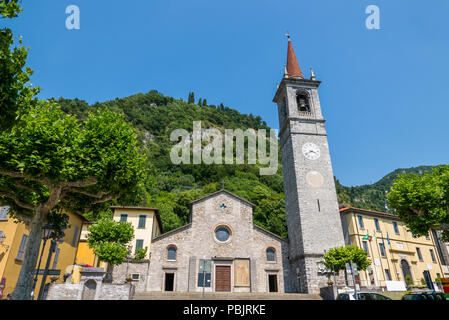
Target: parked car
[(361, 296), (431, 295)]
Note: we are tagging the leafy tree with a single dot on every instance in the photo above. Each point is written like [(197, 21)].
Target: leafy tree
[(141, 253), (109, 240), (422, 202), (200, 102), (191, 99), (335, 259), (16, 93), (50, 160), (204, 103)]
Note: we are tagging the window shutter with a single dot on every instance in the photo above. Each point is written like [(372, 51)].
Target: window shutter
[(139, 244), (142, 221), (75, 236), (4, 213), (22, 247)]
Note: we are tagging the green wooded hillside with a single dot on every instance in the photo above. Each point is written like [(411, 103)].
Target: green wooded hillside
[(172, 187)]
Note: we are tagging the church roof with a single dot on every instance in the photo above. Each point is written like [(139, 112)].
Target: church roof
[(222, 191), (293, 69)]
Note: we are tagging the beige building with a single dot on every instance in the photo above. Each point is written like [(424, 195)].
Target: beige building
[(393, 250), (146, 222)]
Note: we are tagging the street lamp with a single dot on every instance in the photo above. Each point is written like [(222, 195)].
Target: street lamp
[(46, 234)]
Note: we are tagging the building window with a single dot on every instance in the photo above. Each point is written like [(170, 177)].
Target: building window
[(382, 250), (222, 234), (395, 226), (22, 247), (418, 252), (387, 275), (139, 244), (204, 273), (142, 221), (4, 213), (135, 276), (365, 246), (75, 236), (427, 237), (171, 253), (123, 217), (55, 260), (432, 254), (271, 254), (360, 219), (376, 223)]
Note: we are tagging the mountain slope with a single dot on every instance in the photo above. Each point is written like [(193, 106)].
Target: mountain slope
[(172, 187), (373, 196)]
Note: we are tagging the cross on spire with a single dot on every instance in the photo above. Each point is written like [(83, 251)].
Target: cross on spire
[(222, 184)]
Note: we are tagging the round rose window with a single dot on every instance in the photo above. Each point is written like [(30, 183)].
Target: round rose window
[(222, 234)]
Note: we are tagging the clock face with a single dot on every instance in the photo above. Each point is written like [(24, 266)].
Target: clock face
[(311, 151)]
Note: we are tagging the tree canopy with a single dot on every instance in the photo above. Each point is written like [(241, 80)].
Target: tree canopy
[(422, 202), (335, 259), (109, 240)]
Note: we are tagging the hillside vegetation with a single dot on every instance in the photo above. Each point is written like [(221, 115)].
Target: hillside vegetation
[(172, 187)]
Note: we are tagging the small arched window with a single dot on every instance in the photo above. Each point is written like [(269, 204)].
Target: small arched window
[(302, 99), (171, 253), (271, 254)]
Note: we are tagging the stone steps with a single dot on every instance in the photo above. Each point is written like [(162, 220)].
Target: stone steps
[(157, 295)]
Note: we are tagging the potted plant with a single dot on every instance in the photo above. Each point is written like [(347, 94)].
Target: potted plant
[(129, 279), (330, 282)]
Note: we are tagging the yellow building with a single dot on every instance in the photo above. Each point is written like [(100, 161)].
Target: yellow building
[(393, 250), (12, 249), (145, 221)]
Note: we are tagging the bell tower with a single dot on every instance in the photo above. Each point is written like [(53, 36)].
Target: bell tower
[(313, 216)]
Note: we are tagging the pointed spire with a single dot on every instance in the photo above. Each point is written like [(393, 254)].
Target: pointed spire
[(293, 69)]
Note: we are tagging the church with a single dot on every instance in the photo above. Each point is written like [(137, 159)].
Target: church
[(221, 249)]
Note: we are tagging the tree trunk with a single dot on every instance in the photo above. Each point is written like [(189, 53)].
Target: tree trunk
[(24, 285), (108, 275)]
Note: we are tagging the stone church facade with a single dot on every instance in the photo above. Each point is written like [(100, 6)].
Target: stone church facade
[(221, 249)]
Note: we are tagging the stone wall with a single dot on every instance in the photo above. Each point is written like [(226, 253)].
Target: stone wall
[(122, 271), (73, 291)]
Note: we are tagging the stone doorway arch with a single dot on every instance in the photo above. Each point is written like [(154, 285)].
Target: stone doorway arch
[(89, 290)]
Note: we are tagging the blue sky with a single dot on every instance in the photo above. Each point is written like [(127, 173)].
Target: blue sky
[(384, 92)]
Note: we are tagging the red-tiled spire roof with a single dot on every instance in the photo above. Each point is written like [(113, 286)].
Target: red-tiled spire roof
[(293, 69)]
